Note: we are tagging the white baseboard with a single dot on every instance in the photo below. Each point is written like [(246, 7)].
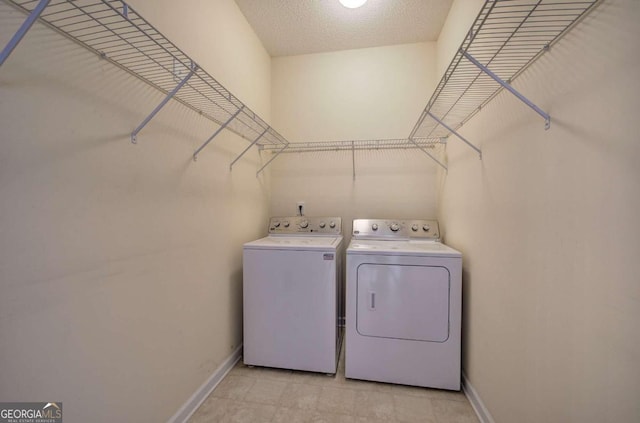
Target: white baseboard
[(478, 406), (198, 397)]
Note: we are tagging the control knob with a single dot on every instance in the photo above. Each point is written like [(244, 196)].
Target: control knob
[(426, 228), (394, 227), (414, 228), (286, 223), (276, 224), (374, 226), (322, 225), (304, 224), (332, 224)]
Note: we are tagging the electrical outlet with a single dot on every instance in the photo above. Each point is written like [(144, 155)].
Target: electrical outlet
[(300, 208)]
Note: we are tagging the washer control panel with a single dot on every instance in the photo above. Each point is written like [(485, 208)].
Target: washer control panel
[(396, 229), (305, 225)]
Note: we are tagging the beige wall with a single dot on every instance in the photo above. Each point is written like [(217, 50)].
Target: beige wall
[(459, 20), (548, 226), (353, 95), (120, 265)]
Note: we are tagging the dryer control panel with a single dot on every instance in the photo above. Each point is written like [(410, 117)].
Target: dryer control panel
[(305, 225), (396, 229)]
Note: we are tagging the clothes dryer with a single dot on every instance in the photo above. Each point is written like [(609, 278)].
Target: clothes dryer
[(403, 304), (292, 291)]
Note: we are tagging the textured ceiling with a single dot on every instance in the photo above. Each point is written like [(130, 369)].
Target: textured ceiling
[(290, 27)]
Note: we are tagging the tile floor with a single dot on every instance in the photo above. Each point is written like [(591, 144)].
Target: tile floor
[(272, 395)]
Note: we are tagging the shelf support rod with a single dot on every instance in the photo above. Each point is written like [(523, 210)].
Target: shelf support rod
[(134, 134), (525, 100), (353, 158), (429, 154), (271, 159), (22, 31), (224, 125), (248, 147), (453, 131)]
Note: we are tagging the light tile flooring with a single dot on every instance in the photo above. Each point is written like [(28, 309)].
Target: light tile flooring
[(272, 395)]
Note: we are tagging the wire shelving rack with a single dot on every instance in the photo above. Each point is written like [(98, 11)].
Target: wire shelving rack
[(506, 37), (432, 147), (358, 145), (117, 33)]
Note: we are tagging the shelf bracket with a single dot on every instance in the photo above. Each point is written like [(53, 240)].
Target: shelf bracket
[(454, 132), (224, 125), (248, 147), (525, 100), (22, 31), (134, 134), (271, 159), (429, 154), (353, 158)]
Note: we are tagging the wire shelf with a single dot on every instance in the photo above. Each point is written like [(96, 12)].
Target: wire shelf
[(432, 147), (115, 32), (506, 37), (358, 145)]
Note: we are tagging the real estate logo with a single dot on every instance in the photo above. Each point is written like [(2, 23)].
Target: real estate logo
[(30, 412)]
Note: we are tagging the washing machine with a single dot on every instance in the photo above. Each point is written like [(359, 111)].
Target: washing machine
[(292, 291), (403, 304)]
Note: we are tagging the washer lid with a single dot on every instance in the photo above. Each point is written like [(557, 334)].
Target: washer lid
[(423, 248), (296, 243)]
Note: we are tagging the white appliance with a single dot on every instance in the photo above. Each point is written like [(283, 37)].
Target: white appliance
[(404, 295), (292, 291)]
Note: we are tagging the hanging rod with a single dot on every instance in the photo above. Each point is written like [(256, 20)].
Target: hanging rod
[(118, 34), (505, 39)]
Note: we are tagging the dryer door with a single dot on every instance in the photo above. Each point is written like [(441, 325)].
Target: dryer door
[(403, 302)]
